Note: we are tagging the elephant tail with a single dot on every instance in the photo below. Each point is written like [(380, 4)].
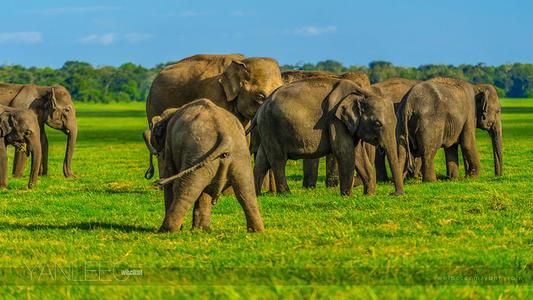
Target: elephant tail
[(221, 151), (150, 171)]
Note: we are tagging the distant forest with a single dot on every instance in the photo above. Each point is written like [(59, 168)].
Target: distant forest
[(131, 82)]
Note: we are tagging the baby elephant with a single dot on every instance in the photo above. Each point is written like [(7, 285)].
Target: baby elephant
[(203, 150), (19, 127)]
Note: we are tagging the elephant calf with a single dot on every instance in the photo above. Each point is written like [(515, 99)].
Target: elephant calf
[(19, 127), (203, 150)]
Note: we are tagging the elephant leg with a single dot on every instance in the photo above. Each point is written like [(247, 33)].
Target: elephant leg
[(310, 168), (261, 168), (332, 171), (278, 167), (428, 167), (381, 167), (3, 164), (185, 193), (417, 171), (469, 150), (266, 181), (201, 217), (243, 186), (364, 168), (19, 163), (271, 181), (44, 150), (452, 162)]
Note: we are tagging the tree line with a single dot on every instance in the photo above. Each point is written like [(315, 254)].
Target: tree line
[(130, 82)]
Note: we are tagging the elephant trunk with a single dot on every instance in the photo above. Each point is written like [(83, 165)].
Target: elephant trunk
[(496, 137), (71, 143), (36, 157), (391, 149)]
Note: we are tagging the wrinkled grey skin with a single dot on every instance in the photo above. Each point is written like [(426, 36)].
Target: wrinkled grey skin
[(233, 82), (310, 166), (359, 78), (19, 127), (54, 107), (392, 89), (203, 150), (444, 112), (314, 117)]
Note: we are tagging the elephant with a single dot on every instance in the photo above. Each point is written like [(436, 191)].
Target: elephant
[(315, 117), (445, 112), (233, 82), (54, 107), (203, 150), (19, 127), (310, 166), (392, 89), (359, 78)]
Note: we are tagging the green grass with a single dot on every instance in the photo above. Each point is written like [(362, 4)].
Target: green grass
[(467, 238)]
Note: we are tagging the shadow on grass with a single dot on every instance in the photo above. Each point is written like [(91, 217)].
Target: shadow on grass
[(81, 226)]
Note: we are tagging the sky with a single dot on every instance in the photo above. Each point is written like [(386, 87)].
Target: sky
[(148, 32)]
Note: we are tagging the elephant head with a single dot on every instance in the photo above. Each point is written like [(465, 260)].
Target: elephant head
[(248, 82), (63, 117), (21, 128), (368, 117), (488, 114)]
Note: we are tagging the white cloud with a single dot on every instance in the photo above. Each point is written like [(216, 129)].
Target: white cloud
[(137, 37), (314, 30), (110, 38), (103, 39), (21, 37), (240, 13), (190, 14)]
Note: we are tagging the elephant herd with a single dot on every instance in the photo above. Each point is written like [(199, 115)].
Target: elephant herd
[(24, 110), (198, 110)]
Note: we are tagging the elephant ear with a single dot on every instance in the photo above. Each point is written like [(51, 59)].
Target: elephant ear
[(233, 79), (482, 101), (158, 136), (25, 97), (344, 102), (6, 123)]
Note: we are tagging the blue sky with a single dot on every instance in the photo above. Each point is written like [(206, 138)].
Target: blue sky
[(409, 32)]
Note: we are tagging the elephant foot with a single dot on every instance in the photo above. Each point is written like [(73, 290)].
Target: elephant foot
[(309, 186), (164, 229), (332, 182), (369, 191), (397, 193)]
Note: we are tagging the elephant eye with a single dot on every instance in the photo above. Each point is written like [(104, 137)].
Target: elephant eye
[(260, 98), (378, 124), (27, 132), (66, 110)]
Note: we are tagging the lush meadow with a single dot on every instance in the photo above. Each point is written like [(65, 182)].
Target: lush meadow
[(467, 238)]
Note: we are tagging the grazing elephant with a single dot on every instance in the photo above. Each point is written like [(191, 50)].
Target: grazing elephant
[(393, 89), (315, 117), (19, 127), (444, 112), (54, 107), (203, 150), (238, 84)]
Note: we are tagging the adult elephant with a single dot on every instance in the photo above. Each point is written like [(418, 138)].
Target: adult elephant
[(238, 84), (54, 107), (314, 117), (310, 166), (359, 78), (444, 112), (392, 89)]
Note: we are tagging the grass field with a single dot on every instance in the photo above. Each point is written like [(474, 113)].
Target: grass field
[(74, 237)]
